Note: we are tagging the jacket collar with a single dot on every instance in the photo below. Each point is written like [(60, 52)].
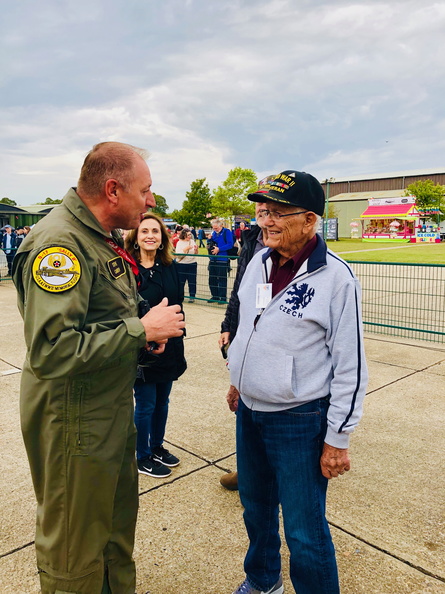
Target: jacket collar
[(318, 257), (79, 209), (315, 261)]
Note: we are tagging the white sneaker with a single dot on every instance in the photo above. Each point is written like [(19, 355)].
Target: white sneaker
[(246, 588)]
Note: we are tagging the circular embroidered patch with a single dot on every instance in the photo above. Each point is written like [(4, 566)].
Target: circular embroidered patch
[(56, 269)]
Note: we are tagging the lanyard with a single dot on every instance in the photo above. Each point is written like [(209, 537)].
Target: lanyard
[(126, 256)]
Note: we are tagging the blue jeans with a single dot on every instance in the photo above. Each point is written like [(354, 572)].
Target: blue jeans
[(150, 415), (278, 459)]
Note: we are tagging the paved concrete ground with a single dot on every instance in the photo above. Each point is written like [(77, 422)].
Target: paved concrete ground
[(387, 514)]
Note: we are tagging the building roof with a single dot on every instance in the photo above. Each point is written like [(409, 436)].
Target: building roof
[(38, 208), (10, 209), (347, 197), (33, 209), (411, 173), (390, 211)]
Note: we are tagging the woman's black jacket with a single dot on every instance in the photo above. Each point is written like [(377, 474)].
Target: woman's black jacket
[(159, 282)]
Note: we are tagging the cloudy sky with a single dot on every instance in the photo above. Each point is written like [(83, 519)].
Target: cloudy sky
[(335, 88)]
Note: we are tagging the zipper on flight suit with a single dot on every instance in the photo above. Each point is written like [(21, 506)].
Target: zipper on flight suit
[(79, 415)]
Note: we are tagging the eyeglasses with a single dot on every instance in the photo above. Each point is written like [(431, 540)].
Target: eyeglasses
[(274, 215)]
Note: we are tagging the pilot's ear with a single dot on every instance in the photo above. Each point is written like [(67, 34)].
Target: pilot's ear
[(111, 190)]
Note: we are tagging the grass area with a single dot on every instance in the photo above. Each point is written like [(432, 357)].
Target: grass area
[(413, 253), (348, 245), (364, 251)]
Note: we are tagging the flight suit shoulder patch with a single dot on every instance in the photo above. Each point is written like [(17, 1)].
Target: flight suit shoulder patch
[(116, 267), (56, 269)]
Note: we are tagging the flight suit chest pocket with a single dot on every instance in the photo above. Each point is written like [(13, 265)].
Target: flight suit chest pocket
[(113, 288), (113, 274)]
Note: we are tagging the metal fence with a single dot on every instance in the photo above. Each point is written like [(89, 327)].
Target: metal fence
[(4, 278), (405, 300), (203, 291)]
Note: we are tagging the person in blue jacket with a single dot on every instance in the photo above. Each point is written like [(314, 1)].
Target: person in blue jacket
[(201, 237), (219, 244), (9, 246)]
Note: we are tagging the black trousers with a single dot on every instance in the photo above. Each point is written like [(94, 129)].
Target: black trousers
[(187, 273), (218, 270), (9, 259)]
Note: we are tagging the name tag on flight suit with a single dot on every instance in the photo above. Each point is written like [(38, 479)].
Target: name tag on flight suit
[(116, 267)]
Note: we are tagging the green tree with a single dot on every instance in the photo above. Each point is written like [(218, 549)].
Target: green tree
[(161, 207), (51, 201), (177, 216), (197, 204), (230, 198), (8, 201), (333, 211), (428, 195)]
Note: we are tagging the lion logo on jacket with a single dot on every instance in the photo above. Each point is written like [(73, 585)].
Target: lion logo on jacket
[(299, 296)]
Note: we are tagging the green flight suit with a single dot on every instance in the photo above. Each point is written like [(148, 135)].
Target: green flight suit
[(78, 299)]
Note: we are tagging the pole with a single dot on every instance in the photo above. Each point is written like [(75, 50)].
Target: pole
[(326, 211)]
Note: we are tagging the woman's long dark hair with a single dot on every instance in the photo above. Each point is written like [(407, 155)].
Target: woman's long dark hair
[(165, 255)]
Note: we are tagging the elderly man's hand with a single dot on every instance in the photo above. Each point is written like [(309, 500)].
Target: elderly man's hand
[(334, 461), (232, 398), (224, 339)]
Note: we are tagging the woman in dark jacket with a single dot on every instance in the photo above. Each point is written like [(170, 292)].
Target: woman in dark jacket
[(150, 246)]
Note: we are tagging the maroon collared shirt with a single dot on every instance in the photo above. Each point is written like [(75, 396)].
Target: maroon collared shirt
[(280, 276)]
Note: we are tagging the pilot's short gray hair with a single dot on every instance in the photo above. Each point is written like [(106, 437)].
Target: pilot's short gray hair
[(108, 160)]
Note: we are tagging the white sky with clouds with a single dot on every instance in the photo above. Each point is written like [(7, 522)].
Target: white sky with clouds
[(335, 88)]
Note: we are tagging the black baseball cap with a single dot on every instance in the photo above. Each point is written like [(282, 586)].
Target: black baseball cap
[(291, 187)]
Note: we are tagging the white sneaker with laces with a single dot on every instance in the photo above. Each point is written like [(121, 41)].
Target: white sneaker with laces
[(246, 588)]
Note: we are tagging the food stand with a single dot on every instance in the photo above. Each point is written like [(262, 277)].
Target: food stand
[(390, 219), (427, 231)]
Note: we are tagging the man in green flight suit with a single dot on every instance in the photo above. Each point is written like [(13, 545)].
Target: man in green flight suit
[(77, 293)]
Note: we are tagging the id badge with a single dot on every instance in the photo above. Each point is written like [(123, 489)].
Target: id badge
[(263, 295)]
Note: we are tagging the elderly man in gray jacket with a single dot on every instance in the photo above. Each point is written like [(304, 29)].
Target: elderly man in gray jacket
[(298, 363)]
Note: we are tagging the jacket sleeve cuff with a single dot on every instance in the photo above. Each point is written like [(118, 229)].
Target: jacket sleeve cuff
[(337, 440), (136, 329)]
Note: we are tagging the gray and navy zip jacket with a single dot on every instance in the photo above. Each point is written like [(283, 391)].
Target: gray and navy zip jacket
[(307, 343)]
